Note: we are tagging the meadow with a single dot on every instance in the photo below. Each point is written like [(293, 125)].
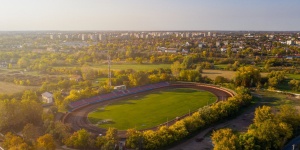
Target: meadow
[(149, 110), (11, 88), (136, 67)]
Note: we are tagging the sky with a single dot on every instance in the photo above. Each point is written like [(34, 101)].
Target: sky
[(149, 15)]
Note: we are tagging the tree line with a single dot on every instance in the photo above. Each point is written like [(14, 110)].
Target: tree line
[(269, 131)]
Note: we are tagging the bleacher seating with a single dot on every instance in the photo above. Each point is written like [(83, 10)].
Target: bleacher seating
[(116, 94)]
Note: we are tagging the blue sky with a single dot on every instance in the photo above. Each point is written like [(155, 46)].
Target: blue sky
[(150, 15)]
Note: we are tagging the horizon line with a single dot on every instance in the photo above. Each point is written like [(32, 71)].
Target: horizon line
[(151, 30)]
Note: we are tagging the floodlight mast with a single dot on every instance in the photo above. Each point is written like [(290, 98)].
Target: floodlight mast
[(109, 72)]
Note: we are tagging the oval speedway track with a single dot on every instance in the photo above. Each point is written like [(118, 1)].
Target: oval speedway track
[(78, 118)]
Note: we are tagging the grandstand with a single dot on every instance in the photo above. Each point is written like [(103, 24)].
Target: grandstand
[(115, 94)]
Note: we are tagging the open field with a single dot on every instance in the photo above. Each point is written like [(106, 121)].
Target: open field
[(150, 110), (137, 67), (10, 88), (293, 76), (212, 74), (134, 66)]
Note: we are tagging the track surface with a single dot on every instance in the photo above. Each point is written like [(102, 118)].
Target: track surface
[(78, 118)]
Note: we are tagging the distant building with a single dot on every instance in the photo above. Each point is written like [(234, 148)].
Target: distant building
[(84, 37), (52, 37), (93, 37), (184, 51), (200, 45), (101, 37), (223, 49), (47, 98), (290, 42), (225, 43), (208, 33)]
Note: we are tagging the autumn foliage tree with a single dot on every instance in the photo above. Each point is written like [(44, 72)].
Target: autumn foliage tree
[(269, 131), (225, 139), (247, 76), (46, 142)]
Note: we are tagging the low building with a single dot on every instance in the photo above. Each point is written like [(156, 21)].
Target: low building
[(290, 42), (223, 49), (167, 50), (47, 98), (120, 87)]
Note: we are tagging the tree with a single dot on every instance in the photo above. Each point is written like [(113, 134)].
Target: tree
[(31, 112), (225, 139), (58, 99), (46, 142), (271, 134), (151, 140), (249, 142), (152, 59), (198, 69), (247, 76), (30, 132), (11, 115), (290, 115), (60, 131), (88, 73), (275, 77), (295, 84), (262, 114), (220, 79), (138, 78), (30, 95), (80, 139), (139, 60), (229, 51), (111, 138), (187, 62), (23, 62), (176, 68), (134, 139), (14, 142), (100, 142)]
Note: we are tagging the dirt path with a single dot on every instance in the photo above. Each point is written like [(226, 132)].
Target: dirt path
[(240, 123)]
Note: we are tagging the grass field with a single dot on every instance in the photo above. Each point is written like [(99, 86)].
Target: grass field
[(150, 110), (137, 67), (212, 74), (293, 76), (10, 88)]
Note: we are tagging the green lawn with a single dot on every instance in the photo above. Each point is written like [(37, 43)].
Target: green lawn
[(152, 109), (276, 99), (221, 66), (293, 76)]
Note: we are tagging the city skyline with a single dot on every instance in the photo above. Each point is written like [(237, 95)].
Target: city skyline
[(134, 15)]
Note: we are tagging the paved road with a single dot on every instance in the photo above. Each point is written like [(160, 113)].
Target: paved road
[(295, 141)]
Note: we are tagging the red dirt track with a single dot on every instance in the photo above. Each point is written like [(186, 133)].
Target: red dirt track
[(78, 118)]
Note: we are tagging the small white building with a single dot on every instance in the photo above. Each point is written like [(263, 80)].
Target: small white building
[(223, 49), (120, 87), (47, 97)]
